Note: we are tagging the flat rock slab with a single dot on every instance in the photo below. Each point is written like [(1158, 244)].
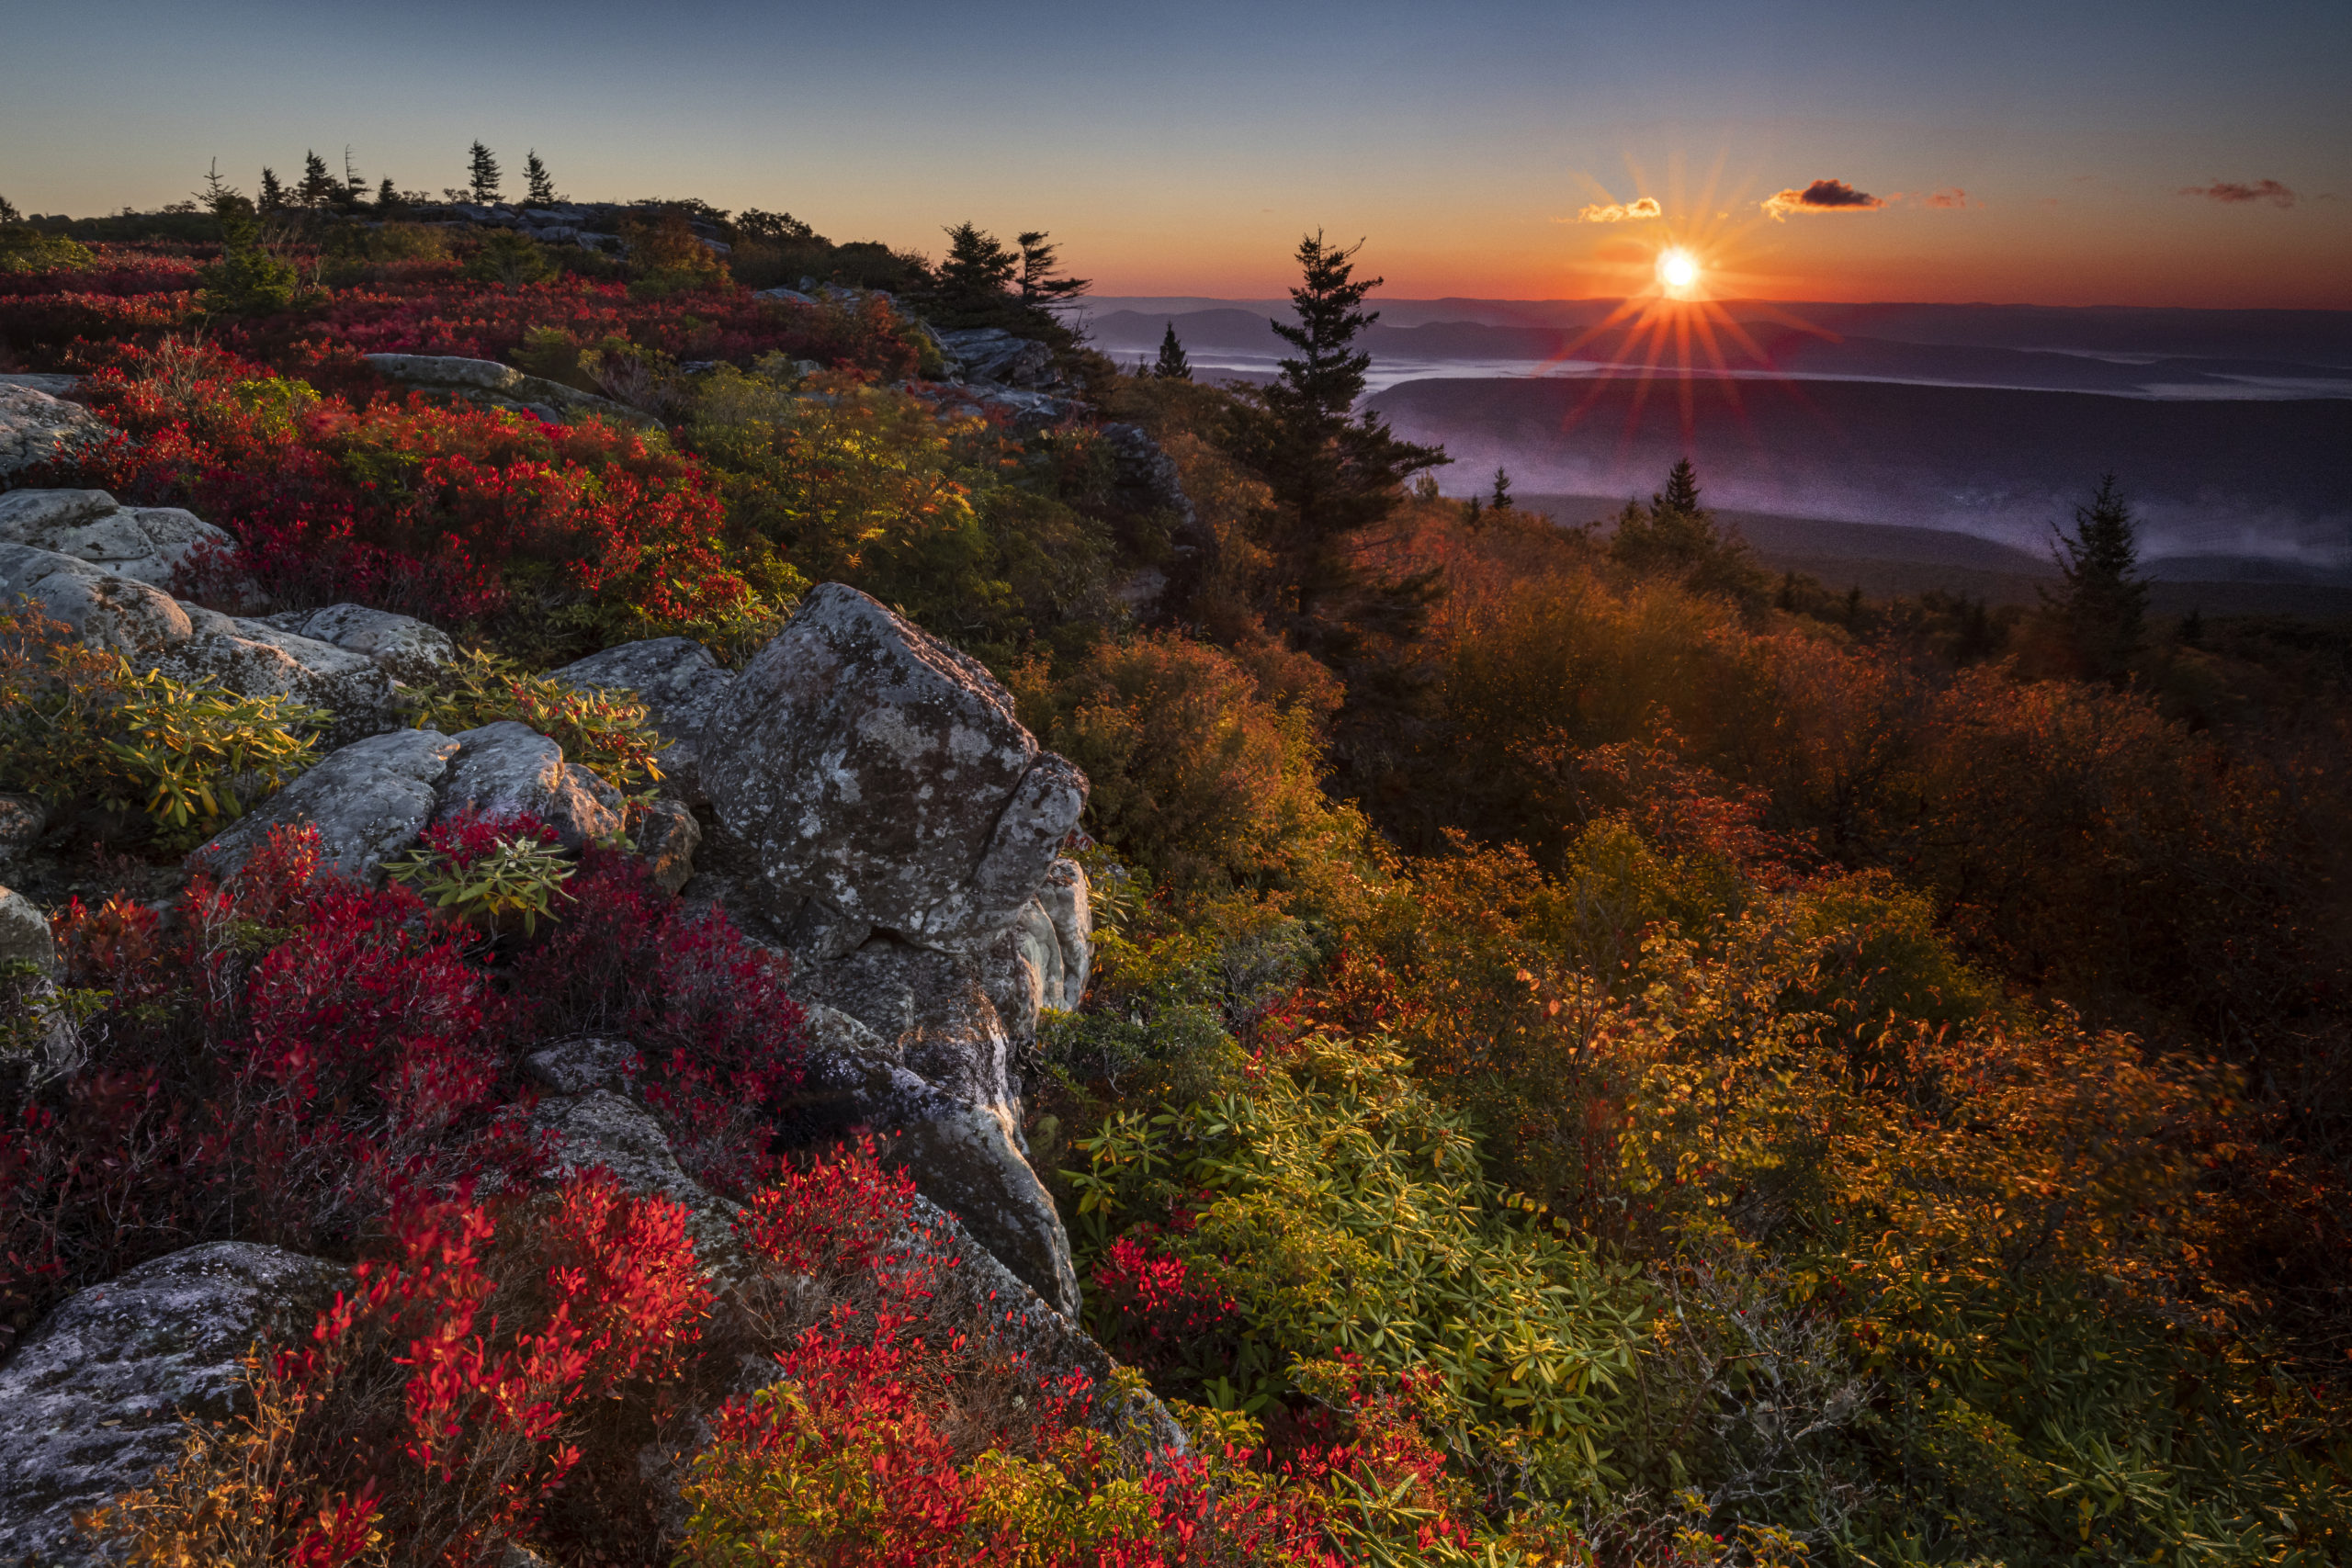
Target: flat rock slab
[(149, 543), (93, 1397), (36, 427), (875, 769), (407, 648)]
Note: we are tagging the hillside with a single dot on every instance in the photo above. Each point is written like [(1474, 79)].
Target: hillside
[(682, 894)]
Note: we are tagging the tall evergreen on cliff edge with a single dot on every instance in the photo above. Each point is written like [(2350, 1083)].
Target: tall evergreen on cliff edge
[(1173, 365)]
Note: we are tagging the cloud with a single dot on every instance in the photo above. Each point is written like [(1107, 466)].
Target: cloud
[(1952, 197), (1647, 206), (1821, 196), (2230, 194)]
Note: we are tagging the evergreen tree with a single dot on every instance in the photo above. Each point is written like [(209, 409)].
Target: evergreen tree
[(1501, 502), (318, 186), (355, 189), (247, 279), (1040, 286), (273, 195), (1173, 365), (978, 271), (1332, 473), (481, 174), (1681, 491), (387, 196), (8, 213), (542, 187), (2103, 606)]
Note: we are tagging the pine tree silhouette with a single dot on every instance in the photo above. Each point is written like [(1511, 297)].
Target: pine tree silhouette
[(2103, 606), (1681, 491), (535, 175), (1173, 365), (273, 195), (482, 173), (1501, 502)]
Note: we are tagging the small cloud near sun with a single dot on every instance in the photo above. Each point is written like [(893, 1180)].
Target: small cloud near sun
[(1952, 197), (1613, 212), (1821, 196), (2230, 194)]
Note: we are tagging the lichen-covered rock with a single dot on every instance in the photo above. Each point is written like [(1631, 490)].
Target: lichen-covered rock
[(24, 933), (36, 427), (91, 1400), (876, 769), (407, 648), (963, 1157), (667, 836), (506, 768), (580, 1064), (932, 1010), (149, 543), (254, 659), (369, 801), (105, 609), (680, 684), (600, 1128), (992, 353)]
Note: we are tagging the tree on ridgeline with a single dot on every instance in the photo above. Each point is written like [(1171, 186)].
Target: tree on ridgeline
[(481, 174), (317, 188), (387, 196), (1332, 473), (1173, 365), (2103, 607), (534, 175), (273, 194), (1041, 285), (355, 189), (1501, 500), (1675, 537)]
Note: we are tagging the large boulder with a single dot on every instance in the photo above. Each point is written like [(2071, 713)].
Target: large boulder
[(681, 687), (36, 427), (992, 353), (876, 771), (149, 543), (370, 801), (500, 386), (505, 769), (95, 1394), (254, 658)]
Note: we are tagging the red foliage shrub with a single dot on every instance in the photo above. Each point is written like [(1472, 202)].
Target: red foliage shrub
[(1149, 1307), (719, 1041), (405, 504)]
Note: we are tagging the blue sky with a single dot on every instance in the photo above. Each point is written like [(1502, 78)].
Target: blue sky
[(1182, 149)]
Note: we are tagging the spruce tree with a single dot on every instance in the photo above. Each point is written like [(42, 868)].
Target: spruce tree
[(273, 195), (1681, 491), (542, 187), (387, 196), (8, 213), (481, 174), (1040, 285), (318, 186), (1173, 365), (1501, 502), (2103, 607), (1332, 473)]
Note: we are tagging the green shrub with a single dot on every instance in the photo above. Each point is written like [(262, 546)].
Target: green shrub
[(604, 731), (509, 258), (25, 249)]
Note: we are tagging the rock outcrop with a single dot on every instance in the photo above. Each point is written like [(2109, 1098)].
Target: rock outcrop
[(94, 1396), (36, 427), (407, 648), (370, 801), (501, 386), (506, 769), (882, 775), (149, 543), (680, 686), (993, 353)]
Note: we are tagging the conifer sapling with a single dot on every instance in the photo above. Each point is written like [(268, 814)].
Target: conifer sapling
[(481, 174)]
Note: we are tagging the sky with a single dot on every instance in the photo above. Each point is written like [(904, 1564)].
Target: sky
[(2155, 153)]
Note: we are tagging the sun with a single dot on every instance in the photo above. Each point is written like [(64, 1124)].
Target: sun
[(1678, 269)]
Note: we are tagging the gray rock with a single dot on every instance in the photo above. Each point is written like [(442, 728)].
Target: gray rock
[(94, 1396), (875, 769), (789, 295), (992, 353), (1066, 904), (599, 1128), (667, 836), (407, 648), (254, 658), (149, 543), (962, 1157), (488, 380), (105, 609), (36, 427), (57, 384), (932, 1010), (680, 684), (22, 819), (505, 769), (575, 1066), (24, 934), (370, 801)]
